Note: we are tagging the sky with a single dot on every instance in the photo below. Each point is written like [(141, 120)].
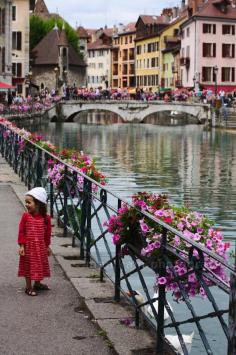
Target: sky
[(98, 13)]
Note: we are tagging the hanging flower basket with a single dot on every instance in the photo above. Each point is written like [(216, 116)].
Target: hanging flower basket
[(129, 224)]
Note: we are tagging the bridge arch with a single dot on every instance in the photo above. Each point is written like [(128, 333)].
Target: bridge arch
[(70, 118), (171, 117), (178, 109)]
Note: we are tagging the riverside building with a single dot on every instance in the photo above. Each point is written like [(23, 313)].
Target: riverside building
[(147, 45), (5, 41), (123, 57), (208, 41)]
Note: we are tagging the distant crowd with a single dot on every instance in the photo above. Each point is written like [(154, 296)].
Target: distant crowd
[(17, 104), (145, 94)]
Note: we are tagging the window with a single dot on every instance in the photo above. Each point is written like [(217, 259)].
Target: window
[(176, 32), (17, 70), (228, 29), (154, 62), (139, 49), (13, 13), (228, 74), (2, 20), (228, 50), (153, 47), (209, 28), (188, 32), (19, 88), (3, 59), (206, 74), (209, 49), (130, 39), (188, 51)]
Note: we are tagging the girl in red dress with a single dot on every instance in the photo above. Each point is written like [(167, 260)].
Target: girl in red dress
[(34, 240)]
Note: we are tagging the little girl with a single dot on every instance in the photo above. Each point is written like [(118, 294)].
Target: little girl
[(34, 240)]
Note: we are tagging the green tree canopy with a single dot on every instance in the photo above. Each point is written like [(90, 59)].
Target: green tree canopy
[(40, 27)]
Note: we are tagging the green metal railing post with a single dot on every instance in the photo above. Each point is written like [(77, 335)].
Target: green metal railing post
[(39, 169), (65, 192), (117, 267), (232, 313), (88, 224), (162, 297)]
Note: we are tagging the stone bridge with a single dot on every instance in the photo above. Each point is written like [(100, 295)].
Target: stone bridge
[(129, 111)]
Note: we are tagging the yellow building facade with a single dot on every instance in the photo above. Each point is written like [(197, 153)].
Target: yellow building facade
[(147, 63), (169, 41)]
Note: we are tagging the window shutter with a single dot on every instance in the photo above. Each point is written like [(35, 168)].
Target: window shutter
[(233, 74), (214, 49), (19, 41)]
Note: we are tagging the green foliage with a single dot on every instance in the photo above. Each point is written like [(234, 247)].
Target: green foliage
[(39, 28), (37, 31)]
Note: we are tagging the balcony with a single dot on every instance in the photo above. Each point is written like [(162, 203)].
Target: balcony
[(185, 61)]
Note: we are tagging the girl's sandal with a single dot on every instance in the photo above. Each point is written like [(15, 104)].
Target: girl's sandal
[(41, 287), (31, 292)]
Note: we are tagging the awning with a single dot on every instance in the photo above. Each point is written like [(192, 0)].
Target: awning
[(5, 86), (165, 89)]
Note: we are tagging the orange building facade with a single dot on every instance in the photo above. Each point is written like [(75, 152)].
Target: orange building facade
[(123, 57)]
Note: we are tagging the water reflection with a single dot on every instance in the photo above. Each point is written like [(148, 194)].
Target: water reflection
[(195, 166)]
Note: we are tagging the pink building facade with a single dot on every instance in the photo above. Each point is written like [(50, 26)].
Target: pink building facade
[(208, 47)]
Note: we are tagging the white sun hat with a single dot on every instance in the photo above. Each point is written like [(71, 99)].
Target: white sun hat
[(39, 193)]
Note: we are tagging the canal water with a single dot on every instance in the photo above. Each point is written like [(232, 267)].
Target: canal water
[(195, 166)]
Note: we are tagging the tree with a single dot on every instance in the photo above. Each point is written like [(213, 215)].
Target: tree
[(40, 27)]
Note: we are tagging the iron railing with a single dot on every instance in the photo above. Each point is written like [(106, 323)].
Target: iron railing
[(83, 211)]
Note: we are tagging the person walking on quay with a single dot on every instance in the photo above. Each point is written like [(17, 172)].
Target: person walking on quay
[(34, 239)]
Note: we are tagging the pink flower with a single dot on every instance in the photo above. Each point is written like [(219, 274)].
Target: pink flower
[(116, 239), (162, 280), (144, 226)]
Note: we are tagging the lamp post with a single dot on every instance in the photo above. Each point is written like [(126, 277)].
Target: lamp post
[(194, 81), (215, 71), (30, 74), (65, 76), (56, 71)]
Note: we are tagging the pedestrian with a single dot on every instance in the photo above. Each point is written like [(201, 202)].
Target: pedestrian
[(34, 239)]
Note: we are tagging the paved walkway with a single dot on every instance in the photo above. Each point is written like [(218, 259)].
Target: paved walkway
[(47, 324), (78, 316)]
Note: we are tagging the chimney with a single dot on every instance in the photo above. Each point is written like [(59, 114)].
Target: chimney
[(121, 28)]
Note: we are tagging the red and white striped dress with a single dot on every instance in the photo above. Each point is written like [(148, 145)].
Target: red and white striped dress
[(35, 234)]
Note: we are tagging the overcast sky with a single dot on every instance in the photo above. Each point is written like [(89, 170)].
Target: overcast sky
[(97, 13)]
